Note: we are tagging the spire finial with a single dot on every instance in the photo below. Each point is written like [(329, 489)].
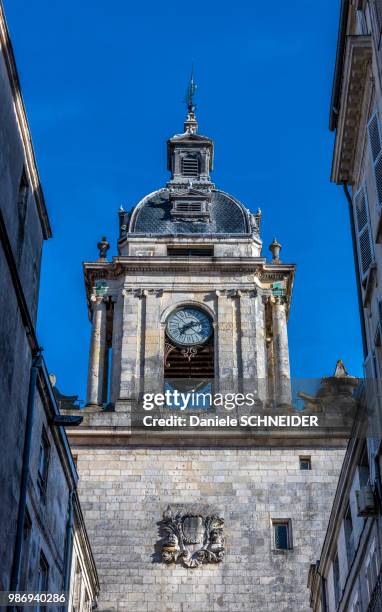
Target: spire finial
[(191, 125), (190, 93)]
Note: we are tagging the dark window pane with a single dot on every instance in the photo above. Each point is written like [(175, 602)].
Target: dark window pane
[(281, 536)]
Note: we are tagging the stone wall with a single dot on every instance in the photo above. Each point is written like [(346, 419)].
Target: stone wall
[(25, 235), (124, 492)]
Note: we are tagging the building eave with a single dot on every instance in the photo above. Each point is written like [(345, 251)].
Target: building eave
[(336, 88), (357, 59), (22, 122)]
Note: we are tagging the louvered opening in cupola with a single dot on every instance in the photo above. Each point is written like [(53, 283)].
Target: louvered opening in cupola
[(190, 165)]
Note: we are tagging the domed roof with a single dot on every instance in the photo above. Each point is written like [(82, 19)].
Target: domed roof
[(153, 216)]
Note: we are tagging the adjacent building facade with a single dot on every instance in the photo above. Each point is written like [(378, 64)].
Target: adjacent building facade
[(39, 510), (203, 519), (348, 574)]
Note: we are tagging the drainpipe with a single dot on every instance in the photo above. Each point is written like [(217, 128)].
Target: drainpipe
[(36, 365), (68, 549), (356, 263)]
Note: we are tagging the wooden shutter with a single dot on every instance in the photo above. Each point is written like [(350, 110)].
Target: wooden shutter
[(363, 232), (375, 142)]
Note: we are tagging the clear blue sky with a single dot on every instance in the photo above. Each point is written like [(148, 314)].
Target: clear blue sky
[(103, 84)]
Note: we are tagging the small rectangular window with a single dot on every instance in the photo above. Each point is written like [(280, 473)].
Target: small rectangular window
[(190, 252), (305, 463), (43, 461), (43, 574), (282, 534), (188, 206), (25, 552)]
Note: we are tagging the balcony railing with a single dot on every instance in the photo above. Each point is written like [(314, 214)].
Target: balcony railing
[(375, 604)]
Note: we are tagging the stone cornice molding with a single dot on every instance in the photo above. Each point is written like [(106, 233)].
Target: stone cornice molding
[(358, 56), (244, 265), (23, 126)]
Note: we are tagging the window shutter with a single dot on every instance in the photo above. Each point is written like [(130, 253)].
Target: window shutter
[(375, 141), (362, 224)]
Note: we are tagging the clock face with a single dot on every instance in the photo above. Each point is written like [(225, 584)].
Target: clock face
[(188, 326)]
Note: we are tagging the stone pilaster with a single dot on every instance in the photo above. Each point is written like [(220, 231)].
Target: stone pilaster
[(97, 352), (224, 343), (282, 381), (153, 355), (261, 354), (253, 355), (131, 344)]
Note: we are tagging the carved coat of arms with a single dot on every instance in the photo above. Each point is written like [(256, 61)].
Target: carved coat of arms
[(192, 539)]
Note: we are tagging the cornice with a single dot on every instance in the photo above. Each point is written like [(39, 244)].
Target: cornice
[(256, 265), (358, 56)]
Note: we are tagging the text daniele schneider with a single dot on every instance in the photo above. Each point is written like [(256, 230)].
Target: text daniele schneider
[(192, 400)]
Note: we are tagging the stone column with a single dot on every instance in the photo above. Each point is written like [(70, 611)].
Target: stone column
[(97, 352), (116, 347), (281, 352)]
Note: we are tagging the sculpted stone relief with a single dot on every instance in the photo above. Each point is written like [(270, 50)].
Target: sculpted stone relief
[(192, 539)]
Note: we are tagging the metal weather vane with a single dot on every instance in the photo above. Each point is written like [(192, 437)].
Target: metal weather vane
[(190, 93)]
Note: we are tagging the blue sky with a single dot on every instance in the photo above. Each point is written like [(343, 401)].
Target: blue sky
[(103, 85)]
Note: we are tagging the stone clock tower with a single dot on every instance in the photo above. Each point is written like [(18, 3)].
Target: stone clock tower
[(196, 521)]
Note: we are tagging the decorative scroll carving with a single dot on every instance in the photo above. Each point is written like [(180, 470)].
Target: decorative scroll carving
[(168, 348), (190, 352), (185, 531)]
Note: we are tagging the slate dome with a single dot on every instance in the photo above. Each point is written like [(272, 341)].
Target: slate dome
[(153, 216)]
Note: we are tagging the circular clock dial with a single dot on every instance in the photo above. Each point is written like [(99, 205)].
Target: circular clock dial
[(188, 326)]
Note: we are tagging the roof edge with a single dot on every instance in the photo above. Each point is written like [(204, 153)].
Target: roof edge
[(336, 88), (23, 125)]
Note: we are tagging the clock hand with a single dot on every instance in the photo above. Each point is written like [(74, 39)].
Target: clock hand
[(187, 326)]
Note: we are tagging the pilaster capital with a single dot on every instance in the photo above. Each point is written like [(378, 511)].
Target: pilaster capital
[(98, 299), (278, 300), (156, 292)]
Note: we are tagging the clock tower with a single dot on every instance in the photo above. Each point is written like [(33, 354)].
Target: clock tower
[(184, 520), (189, 294)]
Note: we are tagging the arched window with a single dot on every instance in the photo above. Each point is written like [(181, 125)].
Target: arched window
[(190, 165)]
